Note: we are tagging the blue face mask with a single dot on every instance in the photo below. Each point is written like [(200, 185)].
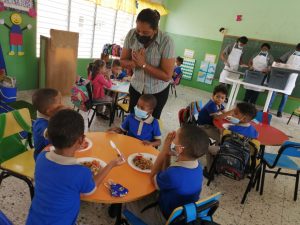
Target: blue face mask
[(140, 113), (173, 149), (234, 120)]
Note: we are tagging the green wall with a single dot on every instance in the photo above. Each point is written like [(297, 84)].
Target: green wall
[(24, 68), (268, 20)]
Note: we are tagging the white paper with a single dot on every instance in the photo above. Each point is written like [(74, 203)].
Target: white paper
[(188, 53), (210, 58)]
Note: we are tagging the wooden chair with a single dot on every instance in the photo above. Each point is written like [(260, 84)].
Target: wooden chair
[(15, 157)]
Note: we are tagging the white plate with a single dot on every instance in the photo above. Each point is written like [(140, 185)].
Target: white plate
[(227, 125), (90, 144), (145, 155), (89, 159)]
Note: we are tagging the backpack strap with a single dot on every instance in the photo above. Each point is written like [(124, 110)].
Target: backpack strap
[(190, 212)]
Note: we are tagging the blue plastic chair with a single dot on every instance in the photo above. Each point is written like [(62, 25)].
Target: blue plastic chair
[(202, 209), (284, 159), (4, 220), (263, 117)]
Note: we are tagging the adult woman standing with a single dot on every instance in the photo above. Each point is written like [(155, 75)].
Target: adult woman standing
[(151, 55)]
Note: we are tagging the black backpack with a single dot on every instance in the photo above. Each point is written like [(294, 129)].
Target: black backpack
[(233, 159)]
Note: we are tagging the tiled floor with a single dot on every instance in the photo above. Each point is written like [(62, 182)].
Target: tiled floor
[(275, 207)]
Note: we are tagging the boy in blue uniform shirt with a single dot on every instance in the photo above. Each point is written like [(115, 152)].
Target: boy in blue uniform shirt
[(117, 72), (59, 179), (46, 101), (142, 125), (179, 183), (177, 70)]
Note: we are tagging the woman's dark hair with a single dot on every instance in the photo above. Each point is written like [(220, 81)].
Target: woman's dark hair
[(266, 45), (94, 67), (149, 16), (243, 39), (65, 127)]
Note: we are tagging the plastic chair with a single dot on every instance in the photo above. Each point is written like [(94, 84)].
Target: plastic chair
[(123, 106), (15, 157), (263, 117), (193, 110), (295, 113), (254, 176), (4, 220), (202, 210), (284, 159)]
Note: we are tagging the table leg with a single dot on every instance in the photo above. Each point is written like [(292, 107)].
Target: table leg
[(231, 96), (114, 106), (270, 93), (235, 94), (118, 208)]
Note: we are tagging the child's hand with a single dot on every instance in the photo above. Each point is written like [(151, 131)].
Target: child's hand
[(147, 142), (167, 143), (115, 130), (118, 161)]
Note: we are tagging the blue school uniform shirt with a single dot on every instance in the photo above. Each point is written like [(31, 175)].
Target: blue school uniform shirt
[(38, 130), (145, 130), (59, 181), (178, 185), (205, 115), (178, 71), (120, 76), (247, 130)]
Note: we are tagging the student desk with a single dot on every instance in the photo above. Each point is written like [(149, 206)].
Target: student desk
[(118, 87), (139, 184), (236, 83)]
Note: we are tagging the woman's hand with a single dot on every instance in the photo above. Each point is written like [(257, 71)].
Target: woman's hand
[(139, 57)]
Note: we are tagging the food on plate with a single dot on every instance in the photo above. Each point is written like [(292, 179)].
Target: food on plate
[(142, 163), (94, 165)]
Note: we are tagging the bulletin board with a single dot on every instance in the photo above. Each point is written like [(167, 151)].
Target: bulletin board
[(187, 68)]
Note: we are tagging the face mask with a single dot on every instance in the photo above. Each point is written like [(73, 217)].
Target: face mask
[(173, 149), (140, 113), (143, 39), (234, 120), (240, 45)]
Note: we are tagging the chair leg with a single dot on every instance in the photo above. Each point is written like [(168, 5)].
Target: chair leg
[(3, 175), (250, 184), (290, 118), (296, 186), (212, 171), (262, 179), (175, 92), (258, 177), (91, 120), (276, 174)]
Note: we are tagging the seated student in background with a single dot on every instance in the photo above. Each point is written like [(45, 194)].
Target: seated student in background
[(177, 70), (97, 74), (241, 117), (116, 71), (141, 124), (261, 62), (290, 58), (59, 179), (178, 183), (46, 101)]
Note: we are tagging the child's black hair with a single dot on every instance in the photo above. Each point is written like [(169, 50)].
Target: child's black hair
[(247, 109), (94, 67), (221, 88), (194, 140), (298, 47), (64, 128), (266, 45), (149, 16), (43, 98), (115, 62), (179, 59), (150, 99), (243, 39)]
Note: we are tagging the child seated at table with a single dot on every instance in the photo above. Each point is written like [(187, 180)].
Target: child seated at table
[(59, 179), (178, 183), (141, 124), (99, 78), (116, 71), (240, 119), (46, 101)]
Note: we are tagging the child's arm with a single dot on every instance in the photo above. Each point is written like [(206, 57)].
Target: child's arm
[(223, 115), (105, 81), (117, 130), (103, 172), (155, 143), (163, 159)]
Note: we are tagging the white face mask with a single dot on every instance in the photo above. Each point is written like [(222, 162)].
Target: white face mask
[(240, 45), (173, 150)]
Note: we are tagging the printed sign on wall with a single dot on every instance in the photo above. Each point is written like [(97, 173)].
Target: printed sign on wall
[(206, 72), (187, 68)]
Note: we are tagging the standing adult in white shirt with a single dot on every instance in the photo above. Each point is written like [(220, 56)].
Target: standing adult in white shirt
[(291, 58), (260, 62)]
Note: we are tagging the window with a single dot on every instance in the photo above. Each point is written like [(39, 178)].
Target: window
[(96, 25)]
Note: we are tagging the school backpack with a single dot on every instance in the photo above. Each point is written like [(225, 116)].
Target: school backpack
[(233, 159), (189, 114), (79, 94)]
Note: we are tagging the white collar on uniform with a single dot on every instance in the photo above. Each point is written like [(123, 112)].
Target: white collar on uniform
[(42, 116), (149, 120), (186, 164), (59, 159)]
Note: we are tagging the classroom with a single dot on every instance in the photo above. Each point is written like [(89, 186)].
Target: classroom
[(149, 112)]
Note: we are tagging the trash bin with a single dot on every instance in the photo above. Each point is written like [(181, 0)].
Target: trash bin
[(254, 77)]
